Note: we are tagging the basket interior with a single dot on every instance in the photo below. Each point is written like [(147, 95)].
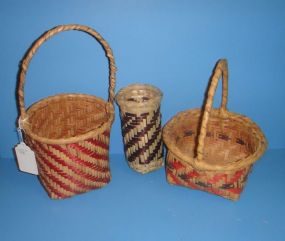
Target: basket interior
[(139, 95), (227, 140), (66, 116)]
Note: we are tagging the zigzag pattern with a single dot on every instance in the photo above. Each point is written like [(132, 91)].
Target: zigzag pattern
[(142, 137), (70, 169), (228, 185)]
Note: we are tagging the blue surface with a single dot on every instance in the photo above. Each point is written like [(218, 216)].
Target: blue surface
[(174, 46), (144, 207), (168, 43)]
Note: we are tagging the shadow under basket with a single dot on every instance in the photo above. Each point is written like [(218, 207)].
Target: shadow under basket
[(69, 133), (212, 149)]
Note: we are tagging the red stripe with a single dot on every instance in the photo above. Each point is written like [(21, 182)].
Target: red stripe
[(65, 175), (177, 165), (106, 133), (213, 180), (235, 190), (177, 181), (237, 176), (98, 143), (52, 191), (79, 160), (49, 188), (216, 178), (88, 152), (60, 161), (61, 184), (192, 174)]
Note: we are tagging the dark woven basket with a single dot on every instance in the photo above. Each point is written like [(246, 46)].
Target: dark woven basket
[(141, 126), (69, 133)]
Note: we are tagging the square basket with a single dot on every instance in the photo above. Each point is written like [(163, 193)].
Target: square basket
[(212, 149)]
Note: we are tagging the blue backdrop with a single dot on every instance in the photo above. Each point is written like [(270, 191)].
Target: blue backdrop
[(173, 45)]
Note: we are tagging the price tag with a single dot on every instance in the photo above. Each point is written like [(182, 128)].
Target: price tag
[(26, 159), (25, 156)]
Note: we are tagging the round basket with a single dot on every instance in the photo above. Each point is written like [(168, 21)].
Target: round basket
[(212, 149), (141, 126), (69, 133)]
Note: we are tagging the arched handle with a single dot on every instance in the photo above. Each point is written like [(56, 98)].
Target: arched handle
[(47, 35), (221, 70)]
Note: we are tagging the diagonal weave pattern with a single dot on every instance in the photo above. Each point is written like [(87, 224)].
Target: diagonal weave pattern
[(69, 169), (141, 126), (69, 133), (142, 139)]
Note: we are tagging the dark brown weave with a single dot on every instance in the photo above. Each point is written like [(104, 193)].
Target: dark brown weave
[(141, 126)]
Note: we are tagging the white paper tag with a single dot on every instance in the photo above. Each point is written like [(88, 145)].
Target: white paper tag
[(26, 159)]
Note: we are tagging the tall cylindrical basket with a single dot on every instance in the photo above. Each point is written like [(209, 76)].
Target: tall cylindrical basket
[(141, 126)]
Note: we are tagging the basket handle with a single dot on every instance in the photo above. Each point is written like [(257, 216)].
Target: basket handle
[(47, 35), (221, 70)]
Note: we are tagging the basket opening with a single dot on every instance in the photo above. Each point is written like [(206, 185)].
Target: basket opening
[(226, 141), (139, 95), (67, 116), (138, 99)]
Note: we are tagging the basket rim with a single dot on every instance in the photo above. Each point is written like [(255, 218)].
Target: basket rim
[(24, 123), (201, 165), (122, 101)]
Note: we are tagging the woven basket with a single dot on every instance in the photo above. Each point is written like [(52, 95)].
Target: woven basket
[(141, 126), (69, 133), (212, 149)]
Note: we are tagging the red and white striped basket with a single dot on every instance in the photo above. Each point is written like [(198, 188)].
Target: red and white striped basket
[(69, 133)]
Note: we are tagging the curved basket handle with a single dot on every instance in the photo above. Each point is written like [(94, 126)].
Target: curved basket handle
[(47, 35), (221, 69)]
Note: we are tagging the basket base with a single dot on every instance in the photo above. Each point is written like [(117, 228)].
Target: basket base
[(228, 184), (146, 168), (54, 194)]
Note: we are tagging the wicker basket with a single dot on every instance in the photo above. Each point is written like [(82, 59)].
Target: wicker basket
[(212, 149), (141, 126), (69, 133)]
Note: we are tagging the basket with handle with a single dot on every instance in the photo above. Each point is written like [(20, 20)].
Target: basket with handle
[(69, 133), (212, 149), (141, 126)]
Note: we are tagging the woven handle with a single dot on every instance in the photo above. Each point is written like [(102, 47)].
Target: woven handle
[(220, 70), (47, 35)]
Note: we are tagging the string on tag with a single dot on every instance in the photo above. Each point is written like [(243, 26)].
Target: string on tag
[(19, 131)]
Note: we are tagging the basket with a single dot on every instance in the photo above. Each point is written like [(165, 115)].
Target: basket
[(212, 149), (69, 133), (141, 126)]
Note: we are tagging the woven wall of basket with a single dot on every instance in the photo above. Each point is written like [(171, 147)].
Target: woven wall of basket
[(141, 126), (69, 133), (212, 149)]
